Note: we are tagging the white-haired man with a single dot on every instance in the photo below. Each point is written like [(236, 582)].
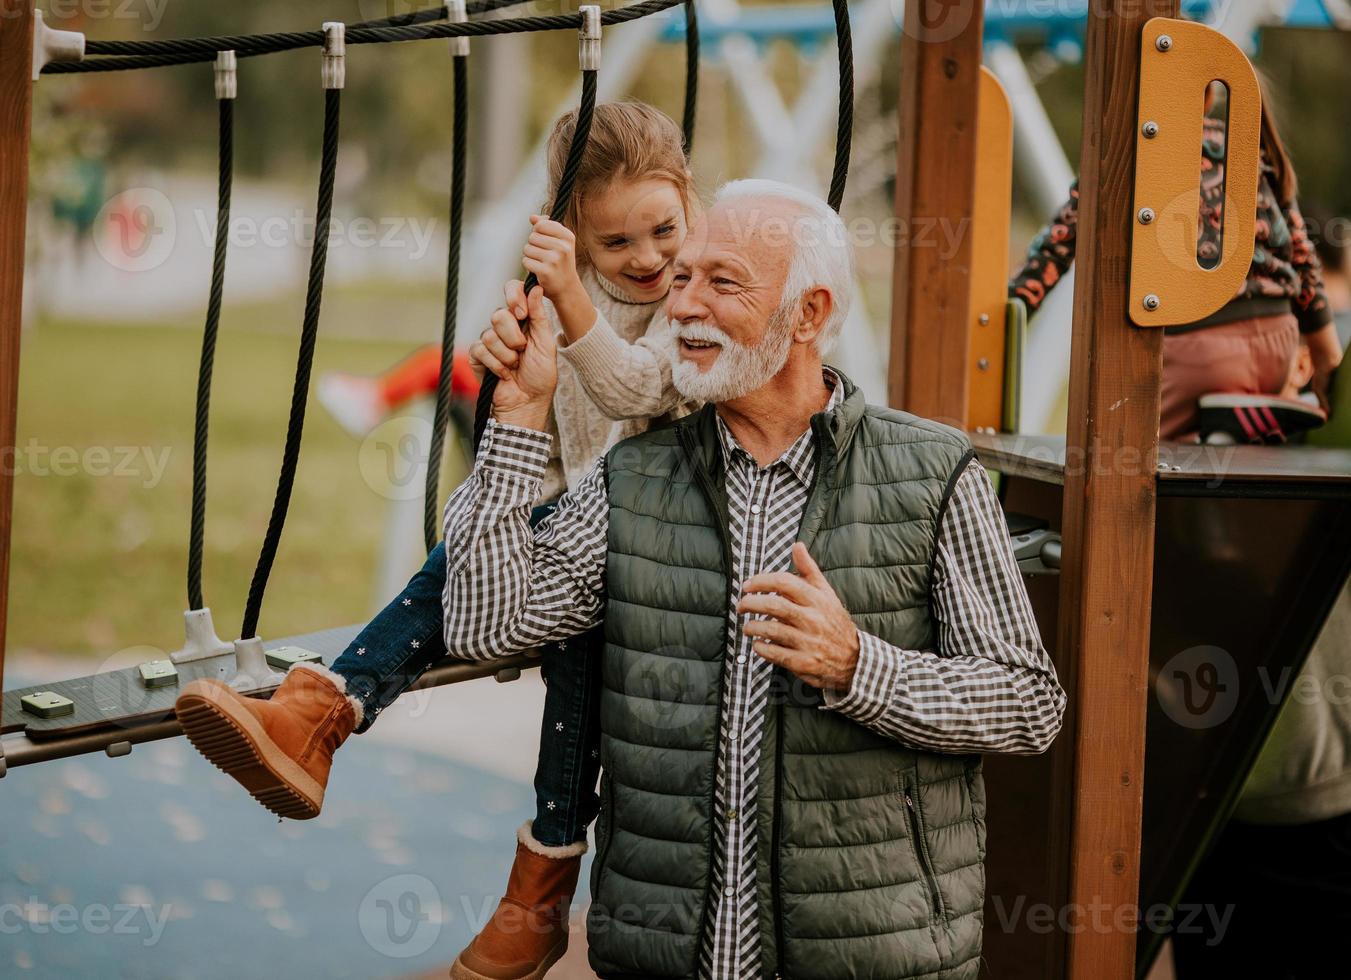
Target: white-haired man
[(813, 622)]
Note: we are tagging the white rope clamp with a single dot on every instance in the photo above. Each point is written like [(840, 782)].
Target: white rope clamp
[(457, 13), (335, 54), (588, 38), (50, 44), (227, 81)]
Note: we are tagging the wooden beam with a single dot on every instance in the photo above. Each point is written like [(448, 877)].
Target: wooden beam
[(1108, 526), (16, 112), (935, 191)]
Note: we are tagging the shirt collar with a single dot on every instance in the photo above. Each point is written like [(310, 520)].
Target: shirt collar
[(800, 457)]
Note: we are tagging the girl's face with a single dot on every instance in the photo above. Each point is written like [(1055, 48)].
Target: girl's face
[(631, 231)]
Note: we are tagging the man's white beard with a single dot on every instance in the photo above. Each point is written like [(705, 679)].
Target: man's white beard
[(738, 369)]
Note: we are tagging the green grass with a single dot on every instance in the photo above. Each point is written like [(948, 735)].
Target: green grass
[(98, 561)]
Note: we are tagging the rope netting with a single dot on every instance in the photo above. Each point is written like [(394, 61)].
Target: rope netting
[(426, 24)]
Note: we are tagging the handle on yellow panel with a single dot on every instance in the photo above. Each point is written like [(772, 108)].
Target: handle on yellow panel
[(1178, 59)]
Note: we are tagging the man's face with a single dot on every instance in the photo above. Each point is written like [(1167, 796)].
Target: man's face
[(731, 329)]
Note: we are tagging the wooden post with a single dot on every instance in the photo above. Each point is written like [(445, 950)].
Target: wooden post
[(935, 190), (16, 113), (1111, 452)]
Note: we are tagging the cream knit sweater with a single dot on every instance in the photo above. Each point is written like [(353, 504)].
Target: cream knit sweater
[(612, 383)]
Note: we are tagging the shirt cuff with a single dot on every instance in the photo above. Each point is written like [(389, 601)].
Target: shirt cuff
[(514, 452), (874, 687), (597, 353)]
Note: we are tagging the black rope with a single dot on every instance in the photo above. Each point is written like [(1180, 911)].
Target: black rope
[(587, 108), (844, 127), (182, 51), (225, 179), (691, 75), (299, 393), (440, 419)]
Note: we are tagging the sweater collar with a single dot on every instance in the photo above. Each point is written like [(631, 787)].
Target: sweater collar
[(617, 294)]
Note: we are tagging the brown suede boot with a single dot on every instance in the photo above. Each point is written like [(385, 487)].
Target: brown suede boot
[(529, 931), (279, 750)]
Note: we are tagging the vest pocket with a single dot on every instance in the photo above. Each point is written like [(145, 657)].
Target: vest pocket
[(914, 813)]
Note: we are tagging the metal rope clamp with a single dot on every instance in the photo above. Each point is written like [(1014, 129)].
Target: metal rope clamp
[(334, 69), (457, 13), (588, 39), (52, 45), (227, 81)]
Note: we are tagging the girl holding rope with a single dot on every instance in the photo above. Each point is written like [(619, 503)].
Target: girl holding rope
[(604, 273)]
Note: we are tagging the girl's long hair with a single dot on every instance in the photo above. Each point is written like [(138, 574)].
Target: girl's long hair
[(630, 140), (1277, 157)]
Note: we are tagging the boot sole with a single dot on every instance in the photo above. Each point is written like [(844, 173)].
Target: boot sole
[(458, 971), (234, 742)]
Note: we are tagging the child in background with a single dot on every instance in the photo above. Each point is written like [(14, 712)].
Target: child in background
[(605, 270), (1249, 344), (359, 403)]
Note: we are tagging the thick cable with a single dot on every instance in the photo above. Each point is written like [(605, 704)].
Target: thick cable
[(691, 76), (844, 127), (180, 51), (586, 110), (224, 183), (441, 416), (305, 359)]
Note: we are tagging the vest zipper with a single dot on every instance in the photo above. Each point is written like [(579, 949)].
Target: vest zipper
[(720, 521), (922, 849)]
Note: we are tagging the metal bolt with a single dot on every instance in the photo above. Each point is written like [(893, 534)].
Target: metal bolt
[(984, 319), (1163, 42), (1146, 216), (1152, 302), (1150, 129), (983, 364)]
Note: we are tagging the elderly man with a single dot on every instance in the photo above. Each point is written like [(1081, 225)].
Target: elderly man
[(813, 620)]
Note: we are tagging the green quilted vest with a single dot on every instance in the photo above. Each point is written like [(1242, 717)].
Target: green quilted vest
[(870, 853)]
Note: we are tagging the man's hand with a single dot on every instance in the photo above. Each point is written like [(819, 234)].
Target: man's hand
[(809, 632), (525, 364)]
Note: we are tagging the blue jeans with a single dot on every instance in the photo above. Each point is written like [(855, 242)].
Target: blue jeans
[(405, 639)]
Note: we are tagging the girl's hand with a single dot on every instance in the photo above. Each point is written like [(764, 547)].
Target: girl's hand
[(524, 363), (551, 254)]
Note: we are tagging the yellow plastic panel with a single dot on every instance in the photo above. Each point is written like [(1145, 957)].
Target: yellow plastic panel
[(1173, 75), (990, 253)]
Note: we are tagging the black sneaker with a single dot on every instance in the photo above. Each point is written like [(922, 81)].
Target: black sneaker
[(1256, 419)]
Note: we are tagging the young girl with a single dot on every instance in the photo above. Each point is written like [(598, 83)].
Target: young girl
[(605, 270)]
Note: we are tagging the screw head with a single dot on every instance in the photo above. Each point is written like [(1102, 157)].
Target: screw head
[(1163, 42), (1146, 216), (983, 364), (984, 319), (1150, 129), (1152, 302)]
